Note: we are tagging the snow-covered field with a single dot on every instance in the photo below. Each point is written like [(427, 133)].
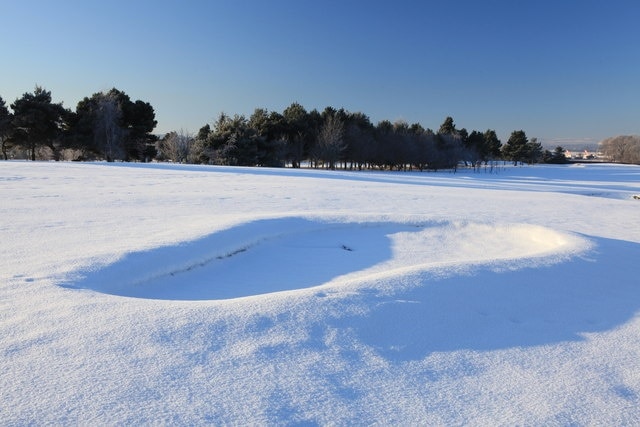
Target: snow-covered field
[(188, 295)]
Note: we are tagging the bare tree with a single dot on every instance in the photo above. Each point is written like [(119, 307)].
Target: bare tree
[(177, 147), (107, 132), (624, 148), (331, 141)]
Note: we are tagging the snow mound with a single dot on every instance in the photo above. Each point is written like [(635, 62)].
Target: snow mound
[(287, 254)]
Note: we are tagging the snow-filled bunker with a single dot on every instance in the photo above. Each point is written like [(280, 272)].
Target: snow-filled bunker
[(284, 254)]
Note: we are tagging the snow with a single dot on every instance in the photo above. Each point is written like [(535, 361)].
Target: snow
[(190, 295)]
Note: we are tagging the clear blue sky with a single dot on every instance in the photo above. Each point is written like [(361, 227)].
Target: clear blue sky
[(559, 70)]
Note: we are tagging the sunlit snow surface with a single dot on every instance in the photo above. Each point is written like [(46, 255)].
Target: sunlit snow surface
[(186, 295)]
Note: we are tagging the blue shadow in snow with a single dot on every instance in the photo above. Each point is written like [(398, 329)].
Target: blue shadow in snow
[(566, 178), (255, 258), (489, 310)]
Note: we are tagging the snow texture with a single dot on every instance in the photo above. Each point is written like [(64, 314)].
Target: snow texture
[(190, 295)]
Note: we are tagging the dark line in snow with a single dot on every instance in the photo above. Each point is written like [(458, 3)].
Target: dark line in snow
[(230, 254)]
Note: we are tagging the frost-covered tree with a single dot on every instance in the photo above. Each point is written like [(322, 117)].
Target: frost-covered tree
[(623, 149), (176, 147), (108, 133), (330, 143)]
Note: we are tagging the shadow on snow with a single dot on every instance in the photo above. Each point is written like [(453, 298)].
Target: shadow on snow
[(594, 180), (483, 309), (489, 310), (256, 258)]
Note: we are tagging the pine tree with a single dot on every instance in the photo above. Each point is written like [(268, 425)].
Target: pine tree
[(5, 127), (38, 121), (516, 149)]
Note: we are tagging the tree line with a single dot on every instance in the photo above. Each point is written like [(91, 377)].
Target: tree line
[(336, 138), (110, 126), (107, 125)]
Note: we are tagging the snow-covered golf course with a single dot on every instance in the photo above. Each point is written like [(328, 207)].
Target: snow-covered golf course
[(186, 295)]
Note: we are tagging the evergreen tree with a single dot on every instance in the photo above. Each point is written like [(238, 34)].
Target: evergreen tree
[(450, 146), (200, 152), (517, 148), (359, 140), (476, 148), (270, 143), (447, 127), (109, 124), (5, 127), (492, 144), (232, 142), (139, 120), (38, 121), (534, 151), (556, 157), (297, 131)]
